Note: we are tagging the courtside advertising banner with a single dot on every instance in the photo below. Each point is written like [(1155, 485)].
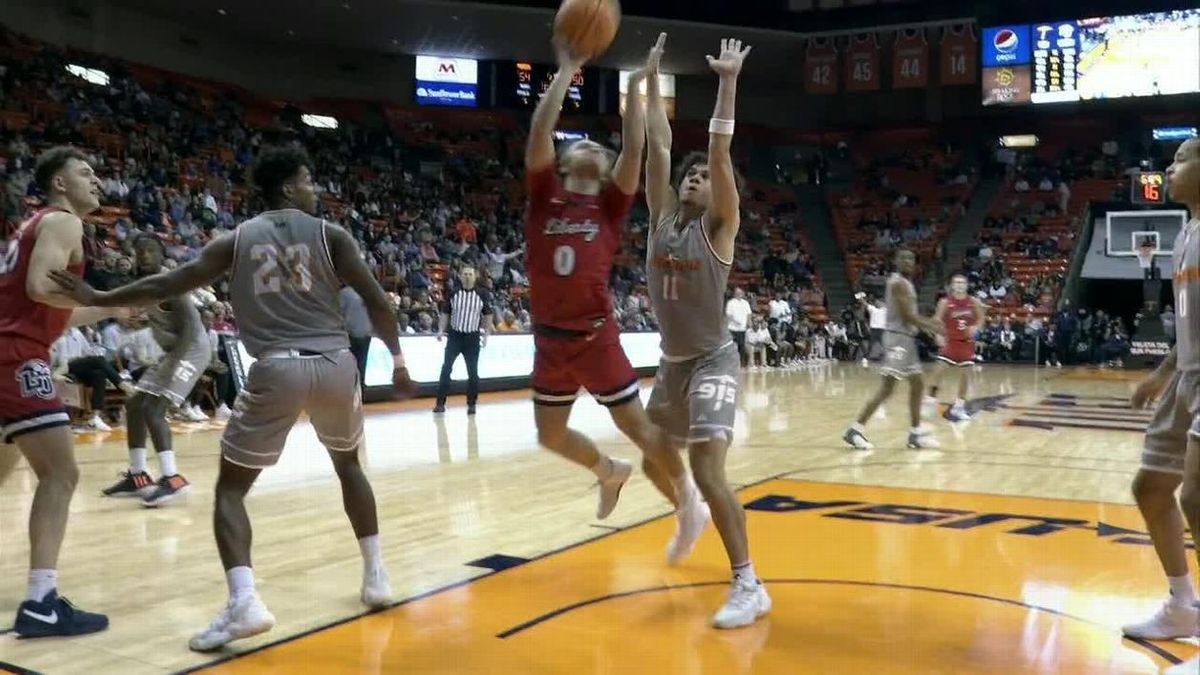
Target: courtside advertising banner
[(447, 81)]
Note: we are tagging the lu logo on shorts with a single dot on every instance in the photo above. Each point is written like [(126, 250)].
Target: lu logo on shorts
[(35, 380)]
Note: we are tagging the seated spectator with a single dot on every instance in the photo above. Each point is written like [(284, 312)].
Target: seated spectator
[(508, 323), (1021, 185), (758, 340), (77, 356)]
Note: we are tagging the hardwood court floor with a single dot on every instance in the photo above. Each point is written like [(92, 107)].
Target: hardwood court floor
[(1014, 548)]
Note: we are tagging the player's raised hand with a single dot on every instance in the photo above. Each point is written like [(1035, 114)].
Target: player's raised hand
[(729, 62), (654, 58), (74, 287), (567, 60)]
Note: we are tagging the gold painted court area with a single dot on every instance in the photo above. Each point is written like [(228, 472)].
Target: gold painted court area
[(1012, 549)]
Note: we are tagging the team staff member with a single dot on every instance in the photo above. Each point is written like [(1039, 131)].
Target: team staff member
[(468, 314)]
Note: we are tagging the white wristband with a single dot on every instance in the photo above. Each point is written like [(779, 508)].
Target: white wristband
[(397, 361), (720, 127)]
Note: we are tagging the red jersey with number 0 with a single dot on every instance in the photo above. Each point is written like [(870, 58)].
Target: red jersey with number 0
[(959, 318), (571, 240), (21, 317)]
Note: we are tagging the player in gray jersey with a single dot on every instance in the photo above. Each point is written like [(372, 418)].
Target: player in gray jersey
[(691, 245), (287, 268), (1171, 454), (900, 360), (176, 326)]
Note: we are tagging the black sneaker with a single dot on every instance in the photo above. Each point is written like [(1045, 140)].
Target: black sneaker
[(55, 617), (168, 488), (131, 485), (439, 409)]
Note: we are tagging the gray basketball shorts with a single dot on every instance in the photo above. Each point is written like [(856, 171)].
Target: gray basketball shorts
[(900, 356), (1176, 417), (695, 401), (277, 390), (174, 377)]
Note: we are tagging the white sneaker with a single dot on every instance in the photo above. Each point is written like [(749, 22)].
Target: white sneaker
[(957, 414), (922, 440), (610, 488), (856, 439), (866, 363), (98, 424), (747, 601), (194, 414), (376, 589), (691, 519), (222, 413), (1190, 667), (244, 616), (1170, 622)]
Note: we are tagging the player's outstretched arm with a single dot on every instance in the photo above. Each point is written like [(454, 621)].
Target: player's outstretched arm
[(539, 150), (214, 260), (628, 167), (723, 213), (58, 241), (660, 197)]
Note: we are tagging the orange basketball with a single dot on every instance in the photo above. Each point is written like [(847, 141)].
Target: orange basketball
[(587, 27)]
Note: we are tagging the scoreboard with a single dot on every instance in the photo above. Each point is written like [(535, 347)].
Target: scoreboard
[(1149, 188), (1093, 58), (523, 84), (1055, 59)]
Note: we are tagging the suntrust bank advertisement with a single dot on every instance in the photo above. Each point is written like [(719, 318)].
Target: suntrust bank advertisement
[(505, 357), (447, 81)]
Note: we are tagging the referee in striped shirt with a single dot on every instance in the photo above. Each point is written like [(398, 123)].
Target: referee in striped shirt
[(468, 314)]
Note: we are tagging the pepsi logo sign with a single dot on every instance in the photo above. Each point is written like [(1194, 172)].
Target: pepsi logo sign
[(1006, 41)]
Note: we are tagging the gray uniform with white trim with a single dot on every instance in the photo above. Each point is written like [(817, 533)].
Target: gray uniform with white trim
[(177, 328), (284, 292), (900, 356), (695, 392), (1177, 414)]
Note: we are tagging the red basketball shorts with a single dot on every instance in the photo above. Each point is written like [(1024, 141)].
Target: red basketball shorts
[(958, 353), (595, 362), (28, 398)]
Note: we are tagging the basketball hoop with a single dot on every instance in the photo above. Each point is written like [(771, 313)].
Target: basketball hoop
[(1145, 256)]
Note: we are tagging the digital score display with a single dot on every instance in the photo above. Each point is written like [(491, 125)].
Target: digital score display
[(1055, 56), (532, 81), (1149, 188)]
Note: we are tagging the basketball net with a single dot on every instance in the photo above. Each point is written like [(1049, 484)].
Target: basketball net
[(1145, 256)]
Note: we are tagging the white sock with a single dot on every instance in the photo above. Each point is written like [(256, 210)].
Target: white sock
[(137, 460), (240, 580), (685, 490), (604, 468), (1182, 590), (958, 403), (915, 430), (857, 427), (372, 556), (166, 462), (745, 572), (41, 582)]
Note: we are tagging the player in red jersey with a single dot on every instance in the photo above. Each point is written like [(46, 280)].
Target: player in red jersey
[(32, 316), (573, 228), (962, 315)]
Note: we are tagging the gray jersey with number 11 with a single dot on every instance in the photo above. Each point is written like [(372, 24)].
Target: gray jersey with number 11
[(283, 286), (687, 284)]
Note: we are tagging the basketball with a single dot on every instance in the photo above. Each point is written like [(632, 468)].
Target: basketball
[(587, 27)]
